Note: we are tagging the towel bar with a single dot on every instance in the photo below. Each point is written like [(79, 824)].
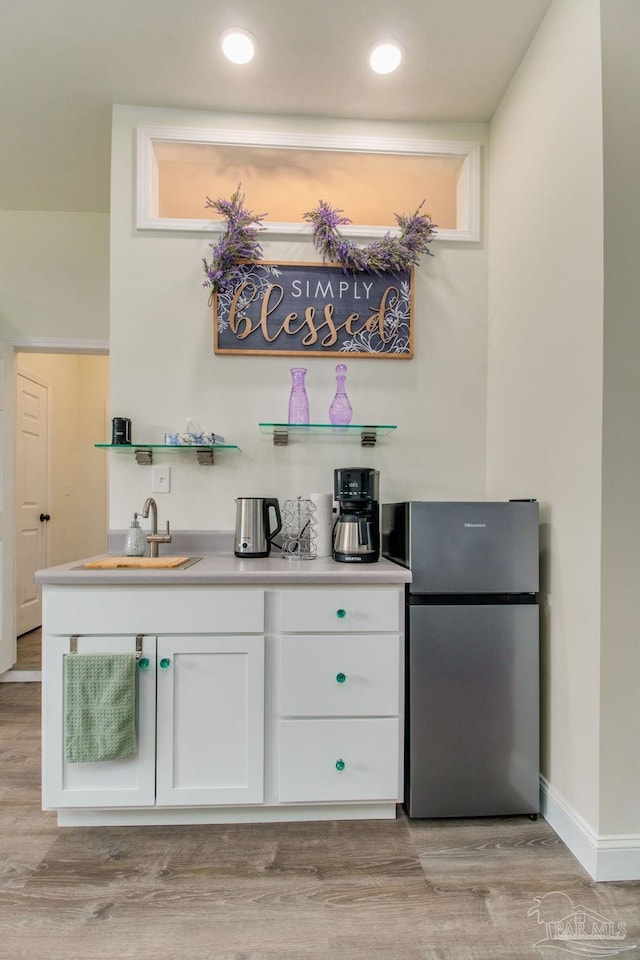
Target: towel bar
[(73, 645)]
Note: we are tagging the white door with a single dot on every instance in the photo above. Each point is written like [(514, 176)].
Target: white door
[(210, 722), (32, 516), (7, 422)]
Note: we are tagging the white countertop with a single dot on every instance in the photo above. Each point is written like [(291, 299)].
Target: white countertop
[(225, 568)]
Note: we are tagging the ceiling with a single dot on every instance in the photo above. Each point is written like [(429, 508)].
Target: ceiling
[(65, 62)]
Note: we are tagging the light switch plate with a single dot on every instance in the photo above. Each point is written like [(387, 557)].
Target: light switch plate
[(160, 479)]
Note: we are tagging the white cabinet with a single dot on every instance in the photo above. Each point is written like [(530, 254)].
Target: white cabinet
[(199, 700), (253, 703), (340, 696)]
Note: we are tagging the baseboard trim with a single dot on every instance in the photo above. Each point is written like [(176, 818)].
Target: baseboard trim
[(266, 813), (604, 857), (21, 675)]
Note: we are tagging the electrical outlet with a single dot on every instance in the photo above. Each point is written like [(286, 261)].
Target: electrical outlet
[(160, 479)]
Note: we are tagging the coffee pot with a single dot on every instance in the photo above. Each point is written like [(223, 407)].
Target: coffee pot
[(354, 539), (254, 533)]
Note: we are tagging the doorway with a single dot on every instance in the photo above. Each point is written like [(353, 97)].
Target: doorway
[(71, 489)]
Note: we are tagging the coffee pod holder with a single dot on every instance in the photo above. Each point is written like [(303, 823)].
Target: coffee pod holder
[(299, 534)]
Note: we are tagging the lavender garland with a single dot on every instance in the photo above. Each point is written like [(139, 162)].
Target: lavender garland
[(387, 255), (239, 242)]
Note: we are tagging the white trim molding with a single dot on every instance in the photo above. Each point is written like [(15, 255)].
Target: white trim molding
[(604, 857), (21, 676), (58, 345), (468, 194)]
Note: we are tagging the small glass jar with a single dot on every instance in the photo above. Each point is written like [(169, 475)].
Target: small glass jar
[(298, 400), (340, 411)]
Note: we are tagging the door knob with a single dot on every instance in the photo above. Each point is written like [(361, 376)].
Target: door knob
[(44, 516)]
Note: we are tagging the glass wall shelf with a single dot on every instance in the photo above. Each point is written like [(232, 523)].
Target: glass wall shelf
[(144, 451), (366, 433)]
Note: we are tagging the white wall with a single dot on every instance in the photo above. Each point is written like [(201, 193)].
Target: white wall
[(163, 369), (620, 661), (545, 364), (54, 275)]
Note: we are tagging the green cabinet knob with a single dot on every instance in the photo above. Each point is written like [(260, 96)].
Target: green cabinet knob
[(341, 614), (143, 663), (341, 677), (164, 663), (340, 764)]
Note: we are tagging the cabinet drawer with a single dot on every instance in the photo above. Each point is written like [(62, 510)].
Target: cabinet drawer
[(331, 760), (153, 609), (340, 676), (346, 611)]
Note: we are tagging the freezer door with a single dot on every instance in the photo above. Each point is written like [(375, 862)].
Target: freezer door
[(473, 547), (472, 710)]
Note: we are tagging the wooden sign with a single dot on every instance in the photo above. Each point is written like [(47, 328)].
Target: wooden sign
[(282, 309)]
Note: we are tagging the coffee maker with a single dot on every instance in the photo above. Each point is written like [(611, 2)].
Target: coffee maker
[(356, 532)]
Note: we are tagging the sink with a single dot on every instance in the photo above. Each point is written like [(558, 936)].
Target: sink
[(139, 563)]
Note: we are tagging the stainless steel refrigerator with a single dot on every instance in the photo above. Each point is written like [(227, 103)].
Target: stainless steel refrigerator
[(472, 655)]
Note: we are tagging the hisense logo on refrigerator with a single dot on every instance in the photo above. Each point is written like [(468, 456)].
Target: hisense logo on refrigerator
[(473, 525)]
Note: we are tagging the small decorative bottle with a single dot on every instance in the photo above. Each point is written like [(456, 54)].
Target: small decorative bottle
[(136, 543), (340, 411), (298, 400)]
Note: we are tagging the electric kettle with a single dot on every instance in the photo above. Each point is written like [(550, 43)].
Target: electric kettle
[(253, 532)]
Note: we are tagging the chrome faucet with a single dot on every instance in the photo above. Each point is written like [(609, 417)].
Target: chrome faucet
[(154, 538)]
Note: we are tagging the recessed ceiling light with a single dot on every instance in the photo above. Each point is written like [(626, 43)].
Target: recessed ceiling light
[(385, 57), (238, 45)]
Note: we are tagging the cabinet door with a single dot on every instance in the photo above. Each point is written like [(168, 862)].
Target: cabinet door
[(110, 783), (210, 722)]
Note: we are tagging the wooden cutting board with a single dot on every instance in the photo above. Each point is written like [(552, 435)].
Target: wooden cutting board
[(113, 563)]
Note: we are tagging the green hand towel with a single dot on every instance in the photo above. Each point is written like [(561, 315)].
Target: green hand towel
[(99, 706)]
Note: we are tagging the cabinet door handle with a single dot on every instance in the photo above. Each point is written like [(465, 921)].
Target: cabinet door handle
[(340, 765), (45, 517), (143, 663), (164, 663), (341, 614), (341, 677)]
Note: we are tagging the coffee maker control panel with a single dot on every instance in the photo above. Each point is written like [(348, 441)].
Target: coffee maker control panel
[(356, 484)]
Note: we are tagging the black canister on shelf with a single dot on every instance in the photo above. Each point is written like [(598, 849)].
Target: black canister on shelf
[(121, 430)]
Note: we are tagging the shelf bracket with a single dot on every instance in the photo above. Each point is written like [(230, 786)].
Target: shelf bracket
[(280, 437), (205, 456), (144, 457), (368, 437)]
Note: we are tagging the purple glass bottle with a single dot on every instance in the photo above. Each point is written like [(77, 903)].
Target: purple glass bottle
[(340, 411), (298, 400)]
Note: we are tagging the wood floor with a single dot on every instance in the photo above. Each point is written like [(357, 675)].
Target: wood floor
[(371, 890), (29, 654)]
